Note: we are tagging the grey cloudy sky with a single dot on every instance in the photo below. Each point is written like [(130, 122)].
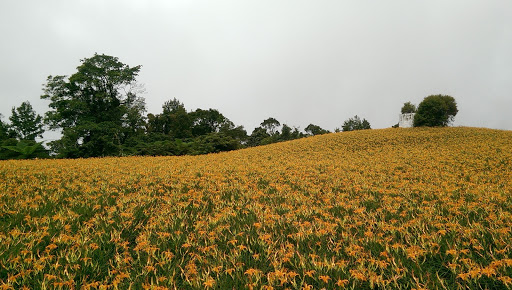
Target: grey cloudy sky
[(301, 62)]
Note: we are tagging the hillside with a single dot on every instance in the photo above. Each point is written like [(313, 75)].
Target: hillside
[(399, 208)]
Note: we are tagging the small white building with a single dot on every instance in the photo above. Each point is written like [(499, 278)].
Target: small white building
[(406, 120)]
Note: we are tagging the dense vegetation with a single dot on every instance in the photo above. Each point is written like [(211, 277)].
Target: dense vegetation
[(100, 112), (423, 208), (436, 111)]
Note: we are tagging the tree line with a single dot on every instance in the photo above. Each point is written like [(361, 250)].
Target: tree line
[(100, 112)]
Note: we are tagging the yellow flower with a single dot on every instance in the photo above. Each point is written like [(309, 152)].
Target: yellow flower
[(251, 272), (209, 282), (325, 278), (310, 273), (452, 252)]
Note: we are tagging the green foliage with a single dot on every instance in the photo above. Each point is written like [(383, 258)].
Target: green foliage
[(25, 123), (97, 107), (25, 149), (174, 121), (208, 121), (259, 136), (100, 113), (313, 130), (173, 106), (162, 148), (436, 111), (408, 108), (4, 130), (286, 133), (267, 133), (236, 132), (213, 143), (17, 140), (356, 123), (270, 125), (7, 153)]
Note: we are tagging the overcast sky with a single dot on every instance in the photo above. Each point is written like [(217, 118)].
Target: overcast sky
[(300, 62)]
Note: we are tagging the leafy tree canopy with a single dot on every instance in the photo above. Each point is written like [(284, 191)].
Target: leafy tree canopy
[(356, 123), (436, 111), (286, 133), (208, 121), (25, 123), (270, 125), (97, 107), (259, 136), (173, 122), (173, 106)]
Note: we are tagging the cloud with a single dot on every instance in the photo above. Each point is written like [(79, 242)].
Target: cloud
[(298, 61)]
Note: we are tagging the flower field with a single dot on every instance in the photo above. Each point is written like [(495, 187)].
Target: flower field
[(391, 208)]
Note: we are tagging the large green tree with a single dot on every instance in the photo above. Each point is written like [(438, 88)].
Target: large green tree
[(25, 123), (436, 111), (97, 108)]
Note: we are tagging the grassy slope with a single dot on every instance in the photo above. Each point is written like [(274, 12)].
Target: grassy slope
[(393, 208)]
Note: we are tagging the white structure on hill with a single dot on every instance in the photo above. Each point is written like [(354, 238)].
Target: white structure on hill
[(406, 120)]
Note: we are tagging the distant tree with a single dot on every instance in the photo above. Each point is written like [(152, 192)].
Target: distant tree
[(297, 134), (155, 124), (259, 136), (436, 111), (4, 130), (173, 122), (355, 123), (262, 135), (315, 130), (237, 133), (173, 106), (408, 108), (286, 133), (97, 108), (270, 125), (176, 132), (25, 123), (133, 120), (24, 146), (208, 121)]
